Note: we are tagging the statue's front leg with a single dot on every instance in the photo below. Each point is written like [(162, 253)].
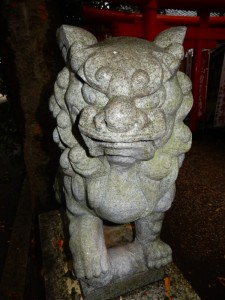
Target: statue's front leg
[(88, 246), (156, 252)]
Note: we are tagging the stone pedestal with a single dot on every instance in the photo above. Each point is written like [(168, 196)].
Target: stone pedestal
[(121, 286), (60, 284)]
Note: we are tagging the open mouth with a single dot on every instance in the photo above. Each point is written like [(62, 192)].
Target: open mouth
[(112, 137), (125, 149), (141, 150)]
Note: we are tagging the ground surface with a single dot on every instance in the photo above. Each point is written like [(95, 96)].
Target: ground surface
[(194, 227), (12, 172), (61, 285), (11, 178)]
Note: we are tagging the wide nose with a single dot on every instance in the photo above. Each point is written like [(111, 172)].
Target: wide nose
[(120, 114)]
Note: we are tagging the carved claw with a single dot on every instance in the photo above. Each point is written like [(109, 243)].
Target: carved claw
[(157, 254)]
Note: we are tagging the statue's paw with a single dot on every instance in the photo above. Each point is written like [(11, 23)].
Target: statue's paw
[(100, 281), (91, 264), (90, 261), (158, 254)]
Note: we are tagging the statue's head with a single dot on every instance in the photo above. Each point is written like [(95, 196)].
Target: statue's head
[(124, 92), (123, 86)]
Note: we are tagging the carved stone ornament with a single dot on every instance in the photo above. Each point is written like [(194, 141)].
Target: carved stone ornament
[(120, 106)]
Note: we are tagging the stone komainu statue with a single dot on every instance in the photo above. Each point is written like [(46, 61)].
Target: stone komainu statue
[(120, 106)]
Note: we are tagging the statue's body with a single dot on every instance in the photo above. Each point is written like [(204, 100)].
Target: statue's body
[(120, 106)]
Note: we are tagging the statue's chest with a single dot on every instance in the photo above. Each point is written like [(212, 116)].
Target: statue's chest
[(120, 198)]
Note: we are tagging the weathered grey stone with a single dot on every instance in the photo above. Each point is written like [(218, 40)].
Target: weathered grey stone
[(59, 284), (119, 106), (121, 286)]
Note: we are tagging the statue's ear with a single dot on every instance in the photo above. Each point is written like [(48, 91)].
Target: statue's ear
[(171, 36), (172, 40), (76, 36)]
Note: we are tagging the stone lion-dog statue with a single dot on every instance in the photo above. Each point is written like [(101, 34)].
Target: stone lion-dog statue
[(119, 106)]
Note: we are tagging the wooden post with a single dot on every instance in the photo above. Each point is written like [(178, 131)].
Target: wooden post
[(197, 61), (149, 20)]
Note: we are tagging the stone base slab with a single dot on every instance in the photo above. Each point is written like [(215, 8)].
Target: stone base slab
[(59, 284), (121, 286)]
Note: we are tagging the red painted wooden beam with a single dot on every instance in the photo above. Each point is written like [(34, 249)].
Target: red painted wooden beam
[(193, 33), (203, 5), (109, 16), (132, 23)]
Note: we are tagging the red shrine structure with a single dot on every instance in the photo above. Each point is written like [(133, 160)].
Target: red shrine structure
[(203, 31)]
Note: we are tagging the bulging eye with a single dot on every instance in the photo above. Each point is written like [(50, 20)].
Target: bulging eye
[(140, 79), (103, 74), (93, 96)]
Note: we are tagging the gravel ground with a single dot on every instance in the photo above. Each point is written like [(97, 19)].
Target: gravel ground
[(195, 225)]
